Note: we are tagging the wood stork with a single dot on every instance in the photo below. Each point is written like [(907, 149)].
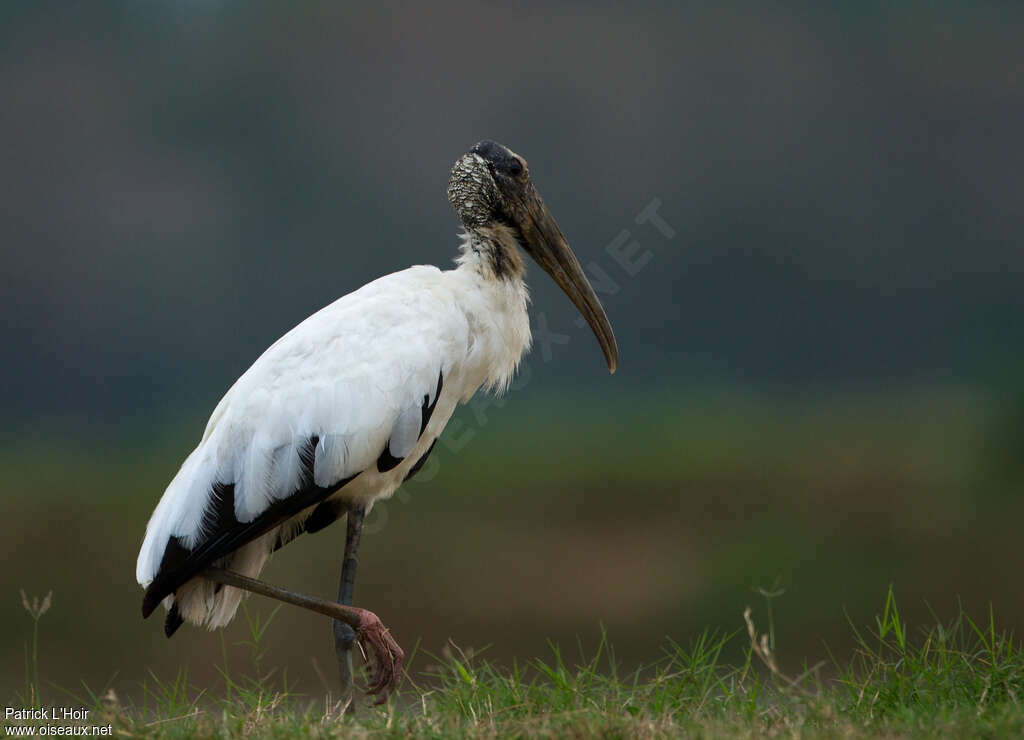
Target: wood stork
[(346, 406)]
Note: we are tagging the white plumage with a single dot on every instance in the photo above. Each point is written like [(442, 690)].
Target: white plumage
[(342, 409), (353, 375)]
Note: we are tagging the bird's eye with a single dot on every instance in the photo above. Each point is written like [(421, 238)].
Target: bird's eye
[(515, 167)]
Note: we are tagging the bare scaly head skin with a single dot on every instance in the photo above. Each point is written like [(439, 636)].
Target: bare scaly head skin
[(491, 192)]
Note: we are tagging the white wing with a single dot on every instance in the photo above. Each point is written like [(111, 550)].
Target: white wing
[(345, 392)]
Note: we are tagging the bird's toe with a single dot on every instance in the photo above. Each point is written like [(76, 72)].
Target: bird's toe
[(388, 657)]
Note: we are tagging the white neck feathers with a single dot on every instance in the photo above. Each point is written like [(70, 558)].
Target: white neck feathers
[(494, 301)]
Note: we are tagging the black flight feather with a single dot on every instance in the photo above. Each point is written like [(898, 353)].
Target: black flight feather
[(225, 533)]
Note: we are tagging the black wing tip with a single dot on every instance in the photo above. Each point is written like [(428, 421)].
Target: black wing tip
[(173, 621), (150, 602), (175, 555)]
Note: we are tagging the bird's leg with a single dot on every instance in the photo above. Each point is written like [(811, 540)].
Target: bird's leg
[(365, 625), (344, 635)]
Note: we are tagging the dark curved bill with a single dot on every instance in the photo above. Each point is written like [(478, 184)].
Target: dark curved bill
[(548, 246)]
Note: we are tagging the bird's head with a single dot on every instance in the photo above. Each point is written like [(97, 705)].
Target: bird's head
[(490, 189)]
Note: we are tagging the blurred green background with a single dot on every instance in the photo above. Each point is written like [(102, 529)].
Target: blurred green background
[(822, 340)]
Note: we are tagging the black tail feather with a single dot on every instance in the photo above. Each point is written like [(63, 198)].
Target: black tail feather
[(173, 621)]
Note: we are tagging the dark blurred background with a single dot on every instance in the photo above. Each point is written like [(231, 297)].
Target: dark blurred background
[(818, 305)]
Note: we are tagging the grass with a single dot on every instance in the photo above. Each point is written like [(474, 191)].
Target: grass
[(36, 609), (960, 677)]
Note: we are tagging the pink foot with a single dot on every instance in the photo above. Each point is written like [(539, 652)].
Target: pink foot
[(388, 656)]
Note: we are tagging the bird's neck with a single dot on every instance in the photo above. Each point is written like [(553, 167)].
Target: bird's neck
[(491, 250), (494, 298)]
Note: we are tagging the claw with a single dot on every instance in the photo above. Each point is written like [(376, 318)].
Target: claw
[(387, 655)]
